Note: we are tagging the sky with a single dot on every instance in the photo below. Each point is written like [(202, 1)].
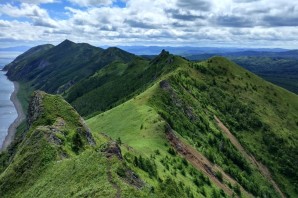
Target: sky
[(198, 23)]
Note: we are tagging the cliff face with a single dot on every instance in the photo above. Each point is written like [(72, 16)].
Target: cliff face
[(55, 132), (61, 124), (56, 155), (35, 107)]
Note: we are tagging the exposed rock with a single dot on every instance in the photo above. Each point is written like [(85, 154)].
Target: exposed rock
[(175, 141), (113, 149), (88, 133), (35, 107), (164, 53), (54, 139), (132, 178), (165, 85)]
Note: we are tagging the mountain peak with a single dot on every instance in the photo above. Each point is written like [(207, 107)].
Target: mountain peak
[(163, 57), (117, 53), (66, 43), (164, 52)]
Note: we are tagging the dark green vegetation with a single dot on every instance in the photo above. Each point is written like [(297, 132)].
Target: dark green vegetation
[(149, 120), (280, 71), (56, 68), (116, 83), (261, 116), (189, 97)]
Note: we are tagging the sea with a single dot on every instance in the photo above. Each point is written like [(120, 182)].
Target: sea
[(8, 112)]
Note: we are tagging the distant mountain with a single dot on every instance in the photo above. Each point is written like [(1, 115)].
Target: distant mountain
[(55, 68), (188, 51), (162, 126)]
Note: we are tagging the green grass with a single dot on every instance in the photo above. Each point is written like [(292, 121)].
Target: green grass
[(260, 114), (35, 148), (82, 176), (215, 87), (142, 97), (140, 127), (130, 120)]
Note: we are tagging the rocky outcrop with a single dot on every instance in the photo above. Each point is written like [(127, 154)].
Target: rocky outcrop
[(35, 107), (88, 133), (112, 149), (59, 123)]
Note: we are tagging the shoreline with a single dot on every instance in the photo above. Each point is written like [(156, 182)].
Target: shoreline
[(21, 116)]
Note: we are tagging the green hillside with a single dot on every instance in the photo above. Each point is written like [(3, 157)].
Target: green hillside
[(280, 71), (57, 68), (117, 82), (58, 156), (260, 115), (167, 127), (30, 54)]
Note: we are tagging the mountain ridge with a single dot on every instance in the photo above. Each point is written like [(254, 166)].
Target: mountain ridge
[(135, 102)]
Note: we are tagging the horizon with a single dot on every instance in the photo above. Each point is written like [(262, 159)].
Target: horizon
[(172, 23), (8, 54)]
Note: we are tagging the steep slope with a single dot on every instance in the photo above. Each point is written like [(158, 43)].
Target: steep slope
[(55, 132), (117, 82), (141, 129), (56, 155), (28, 56), (59, 67), (261, 116), (181, 129)]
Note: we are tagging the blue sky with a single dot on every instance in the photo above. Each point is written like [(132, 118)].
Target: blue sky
[(200, 23)]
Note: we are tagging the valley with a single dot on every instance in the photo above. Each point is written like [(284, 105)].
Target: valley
[(160, 127)]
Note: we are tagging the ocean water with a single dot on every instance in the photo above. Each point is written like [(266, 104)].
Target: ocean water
[(8, 112)]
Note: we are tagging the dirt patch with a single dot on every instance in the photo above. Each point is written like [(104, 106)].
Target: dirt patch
[(201, 163), (262, 168)]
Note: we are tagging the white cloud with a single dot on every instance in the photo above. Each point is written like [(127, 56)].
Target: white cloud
[(24, 10), (89, 3), (37, 1), (39, 16), (170, 22)]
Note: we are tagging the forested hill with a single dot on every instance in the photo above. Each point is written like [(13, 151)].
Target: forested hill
[(55, 68), (175, 128)]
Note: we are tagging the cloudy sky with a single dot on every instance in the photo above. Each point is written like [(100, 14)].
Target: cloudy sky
[(223, 23)]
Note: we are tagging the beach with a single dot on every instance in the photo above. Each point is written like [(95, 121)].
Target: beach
[(21, 116)]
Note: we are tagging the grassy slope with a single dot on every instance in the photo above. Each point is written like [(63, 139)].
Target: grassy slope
[(54, 157), (24, 94), (139, 126), (215, 87), (102, 90), (260, 114)]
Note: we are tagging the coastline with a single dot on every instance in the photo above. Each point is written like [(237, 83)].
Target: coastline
[(21, 116)]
